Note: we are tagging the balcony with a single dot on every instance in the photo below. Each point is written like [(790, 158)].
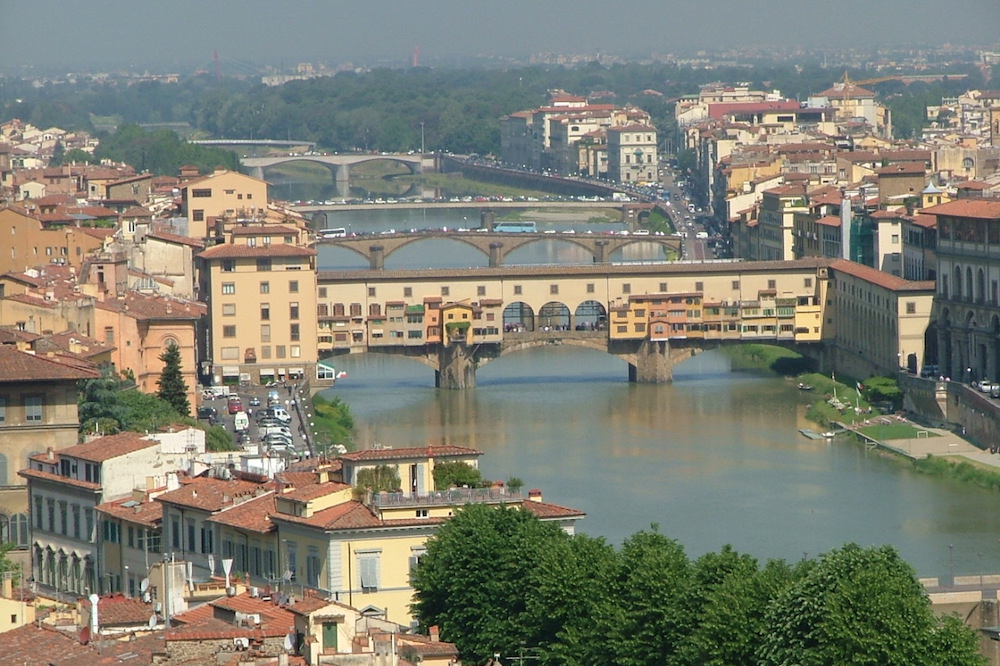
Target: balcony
[(445, 497)]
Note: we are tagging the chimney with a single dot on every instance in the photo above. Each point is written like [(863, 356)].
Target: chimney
[(535, 495), (8, 587), (433, 630), (51, 454)]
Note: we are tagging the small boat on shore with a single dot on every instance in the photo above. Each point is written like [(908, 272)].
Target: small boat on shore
[(805, 387)]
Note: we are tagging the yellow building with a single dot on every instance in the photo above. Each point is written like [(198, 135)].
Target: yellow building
[(29, 241), (38, 411), (223, 194), (262, 302), (456, 320)]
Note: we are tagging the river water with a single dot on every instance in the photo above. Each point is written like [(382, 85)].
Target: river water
[(714, 458)]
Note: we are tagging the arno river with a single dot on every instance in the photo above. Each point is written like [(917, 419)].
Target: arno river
[(713, 458)]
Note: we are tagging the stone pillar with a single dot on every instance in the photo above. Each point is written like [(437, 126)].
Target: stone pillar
[(601, 252), (257, 172), (652, 363), (458, 367), (496, 254), (376, 257), (486, 218)]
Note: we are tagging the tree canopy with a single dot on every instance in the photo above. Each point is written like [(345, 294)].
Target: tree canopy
[(173, 389), (501, 581)]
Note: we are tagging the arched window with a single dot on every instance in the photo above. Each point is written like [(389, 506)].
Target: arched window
[(958, 283), (968, 163), (968, 284), (19, 530), (3, 470)]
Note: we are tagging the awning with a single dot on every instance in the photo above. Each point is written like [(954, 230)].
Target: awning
[(267, 372), (230, 371), (297, 371)]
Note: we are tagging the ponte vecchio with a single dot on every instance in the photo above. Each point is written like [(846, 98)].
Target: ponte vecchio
[(650, 315)]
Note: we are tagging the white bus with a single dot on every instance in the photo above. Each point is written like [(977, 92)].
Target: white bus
[(336, 232)]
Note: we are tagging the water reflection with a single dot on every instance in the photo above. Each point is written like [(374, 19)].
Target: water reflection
[(714, 458)]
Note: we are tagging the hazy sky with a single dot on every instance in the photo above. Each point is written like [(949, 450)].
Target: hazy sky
[(181, 34)]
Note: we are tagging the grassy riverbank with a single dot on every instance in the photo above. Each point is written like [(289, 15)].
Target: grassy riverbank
[(842, 402)]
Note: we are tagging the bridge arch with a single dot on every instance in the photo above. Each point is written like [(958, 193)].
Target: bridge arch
[(518, 316), (590, 315), (554, 316)]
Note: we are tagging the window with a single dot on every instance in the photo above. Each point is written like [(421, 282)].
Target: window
[(38, 512), (808, 283), (626, 288), (736, 285), (481, 290), (292, 559), (445, 291), (265, 311), (772, 284), (553, 289), (130, 536), (229, 331), (265, 332), (75, 511), (198, 215), (294, 333), (33, 409), (190, 535), (201, 193), (228, 265), (3, 410), (206, 540), (371, 292), (265, 287), (407, 292), (293, 310), (50, 509), (590, 287), (663, 287), (699, 286), (229, 288), (175, 533), (293, 286), (229, 309), (88, 517), (322, 292), (264, 264), (368, 569), (312, 567), (517, 289), (111, 533), (911, 307)]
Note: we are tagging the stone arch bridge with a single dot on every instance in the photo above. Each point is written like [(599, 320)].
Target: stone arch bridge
[(340, 165), (496, 245)]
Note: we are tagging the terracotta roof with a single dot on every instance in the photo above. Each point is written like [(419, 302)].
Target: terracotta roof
[(18, 367), (262, 229), (233, 251), (312, 602), (153, 306), (210, 494), (876, 277), (348, 515), (374, 455), (425, 645), (41, 644), (848, 91), (202, 623), (148, 512), (902, 168), (983, 209), (119, 610), (307, 492), (161, 234), (550, 511), (103, 448), (56, 478), (925, 221), (252, 515), (829, 221)]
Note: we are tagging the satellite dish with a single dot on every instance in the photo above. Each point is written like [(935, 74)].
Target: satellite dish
[(144, 585), (152, 621), (289, 642)]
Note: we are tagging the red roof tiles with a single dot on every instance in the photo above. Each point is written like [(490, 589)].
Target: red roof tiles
[(17, 366)]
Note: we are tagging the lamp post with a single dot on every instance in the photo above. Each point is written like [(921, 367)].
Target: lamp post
[(422, 137), (951, 562)]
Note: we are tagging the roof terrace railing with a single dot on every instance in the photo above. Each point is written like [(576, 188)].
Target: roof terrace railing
[(445, 497)]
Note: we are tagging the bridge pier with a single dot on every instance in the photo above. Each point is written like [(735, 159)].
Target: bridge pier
[(601, 252), (496, 254), (257, 172), (457, 365), (652, 363), (376, 257)]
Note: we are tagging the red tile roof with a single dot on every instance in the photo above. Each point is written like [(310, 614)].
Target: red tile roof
[(41, 644), (48, 476), (148, 512), (212, 494), (984, 209), (252, 515), (876, 277), (118, 610), (159, 307), (829, 221), (103, 448), (19, 367)]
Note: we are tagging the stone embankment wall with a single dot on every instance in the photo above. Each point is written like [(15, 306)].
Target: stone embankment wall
[(955, 405)]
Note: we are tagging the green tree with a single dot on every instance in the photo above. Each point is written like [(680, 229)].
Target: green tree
[(478, 576), (861, 606), (173, 389), (99, 407), (377, 479), (653, 578), (456, 474)]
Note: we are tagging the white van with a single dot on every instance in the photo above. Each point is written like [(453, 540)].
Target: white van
[(241, 422), (269, 430)]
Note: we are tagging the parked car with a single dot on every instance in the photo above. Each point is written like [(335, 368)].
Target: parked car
[(254, 401), (235, 405), (986, 386), (209, 413)]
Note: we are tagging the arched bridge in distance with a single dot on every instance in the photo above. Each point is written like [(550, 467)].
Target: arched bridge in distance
[(497, 245), (340, 165)]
